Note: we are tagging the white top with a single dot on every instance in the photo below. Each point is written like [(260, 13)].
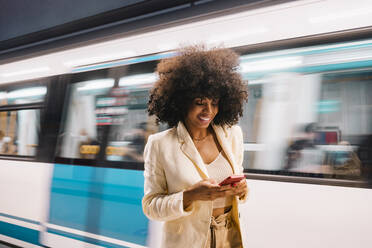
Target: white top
[(219, 169)]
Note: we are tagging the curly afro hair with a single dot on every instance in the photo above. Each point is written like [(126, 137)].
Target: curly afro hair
[(197, 72)]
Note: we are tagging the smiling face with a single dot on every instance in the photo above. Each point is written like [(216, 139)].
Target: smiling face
[(201, 113)]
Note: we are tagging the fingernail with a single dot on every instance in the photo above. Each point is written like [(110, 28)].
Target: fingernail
[(234, 184)]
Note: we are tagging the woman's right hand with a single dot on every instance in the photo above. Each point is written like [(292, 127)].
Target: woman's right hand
[(205, 190)]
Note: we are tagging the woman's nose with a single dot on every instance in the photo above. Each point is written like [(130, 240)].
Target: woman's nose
[(208, 108)]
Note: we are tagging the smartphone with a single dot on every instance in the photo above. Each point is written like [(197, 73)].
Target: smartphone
[(232, 179)]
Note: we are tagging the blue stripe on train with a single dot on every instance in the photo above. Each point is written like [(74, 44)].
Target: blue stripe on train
[(20, 218), (125, 62), (85, 239), (103, 201), (19, 232)]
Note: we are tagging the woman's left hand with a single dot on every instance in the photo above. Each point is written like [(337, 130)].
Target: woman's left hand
[(240, 189)]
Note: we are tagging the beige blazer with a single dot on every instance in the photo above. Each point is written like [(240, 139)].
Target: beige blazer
[(172, 164)]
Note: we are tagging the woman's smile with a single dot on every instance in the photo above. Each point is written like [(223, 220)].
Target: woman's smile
[(201, 113), (205, 119)]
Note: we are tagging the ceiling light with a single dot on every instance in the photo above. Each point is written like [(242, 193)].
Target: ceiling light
[(28, 92), (271, 64), (256, 82), (97, 84), (138, 79)]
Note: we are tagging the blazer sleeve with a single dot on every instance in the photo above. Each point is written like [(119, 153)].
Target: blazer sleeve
[(157, 203), (238, 135)]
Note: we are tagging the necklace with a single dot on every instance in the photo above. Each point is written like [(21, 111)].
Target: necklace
[(200, 139)]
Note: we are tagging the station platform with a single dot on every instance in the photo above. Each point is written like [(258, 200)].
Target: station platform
[(5, 245)]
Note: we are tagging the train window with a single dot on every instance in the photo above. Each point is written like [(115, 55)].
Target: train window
[(309, 113), (344, 120), (23, 95), (3, 98), (20, 113), (251, 112), (19, 132), (129, 133), (106, 119), (249, 122), (81, 134)]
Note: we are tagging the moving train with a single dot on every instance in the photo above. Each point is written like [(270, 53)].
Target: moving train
[(73, 124)]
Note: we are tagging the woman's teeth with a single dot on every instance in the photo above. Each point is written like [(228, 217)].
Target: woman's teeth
[(204, 119)]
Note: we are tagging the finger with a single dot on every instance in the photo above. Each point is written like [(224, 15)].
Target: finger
[(219, 195), (208, 183), (242, 189), (230, 192), (212, 181), (242, 195), (238, 190), (242, 182), (211, 196), (225, 187)]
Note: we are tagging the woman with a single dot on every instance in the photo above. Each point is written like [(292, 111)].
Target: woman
[(200, 95)]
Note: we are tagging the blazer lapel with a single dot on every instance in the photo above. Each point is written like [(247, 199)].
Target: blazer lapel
[(225, 144), (189, 149)]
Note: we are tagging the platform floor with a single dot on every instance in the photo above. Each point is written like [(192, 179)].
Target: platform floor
[(2, 245)]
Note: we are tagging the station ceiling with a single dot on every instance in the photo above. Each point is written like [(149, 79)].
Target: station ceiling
[(41, 24)]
